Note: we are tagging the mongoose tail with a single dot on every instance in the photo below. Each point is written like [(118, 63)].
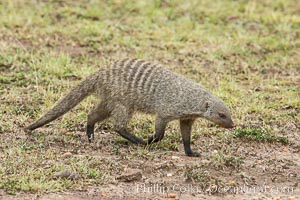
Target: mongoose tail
[(74, 97)]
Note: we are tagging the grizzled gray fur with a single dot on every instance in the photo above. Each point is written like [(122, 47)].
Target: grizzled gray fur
[(134, 85)]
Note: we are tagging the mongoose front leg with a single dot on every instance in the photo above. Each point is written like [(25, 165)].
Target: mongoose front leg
[(122, 116), (186, 129), (160, 127), (99, 113)]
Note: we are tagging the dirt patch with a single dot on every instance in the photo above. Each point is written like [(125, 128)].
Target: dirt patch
[(264, 171)]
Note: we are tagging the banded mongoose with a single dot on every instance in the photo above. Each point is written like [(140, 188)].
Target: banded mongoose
[(131, 85)]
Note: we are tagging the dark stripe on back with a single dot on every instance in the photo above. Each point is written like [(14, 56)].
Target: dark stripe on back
[(140, 74), (122, 62), (134, 70), (152, 85), (148, 77), (127, 69), (116, 71)]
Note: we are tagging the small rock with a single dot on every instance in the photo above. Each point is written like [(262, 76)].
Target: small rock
[(67, 174), (67, 155), (171, 195), (175, 157), (130, 175), (285, 149), (169, 175)]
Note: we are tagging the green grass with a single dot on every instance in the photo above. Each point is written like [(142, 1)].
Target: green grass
[(246, 52), (259, 136), (222, 159), (198, 174)]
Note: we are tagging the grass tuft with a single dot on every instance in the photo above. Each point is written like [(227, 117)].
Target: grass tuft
[(259, 136)]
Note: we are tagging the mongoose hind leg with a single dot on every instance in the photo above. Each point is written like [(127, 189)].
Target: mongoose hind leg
[(98, 114), (186, 128), (122, 116), (132, 138), (160, 127)]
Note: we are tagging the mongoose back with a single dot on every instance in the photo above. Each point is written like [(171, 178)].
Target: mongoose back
[(135, 85)]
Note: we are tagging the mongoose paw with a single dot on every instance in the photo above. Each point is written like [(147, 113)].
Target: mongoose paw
[(193, 154), (152, 140), (90, 137), (90, 133)]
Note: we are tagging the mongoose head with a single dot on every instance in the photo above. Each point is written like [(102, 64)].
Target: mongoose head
[(217, 112)]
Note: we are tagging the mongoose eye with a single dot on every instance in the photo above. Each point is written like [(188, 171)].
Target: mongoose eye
[(206, 105), (222, 115)]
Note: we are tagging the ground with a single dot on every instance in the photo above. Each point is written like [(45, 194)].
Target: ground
[(245, 52)]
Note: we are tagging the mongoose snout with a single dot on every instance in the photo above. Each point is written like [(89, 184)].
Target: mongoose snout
[(229, 124)]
